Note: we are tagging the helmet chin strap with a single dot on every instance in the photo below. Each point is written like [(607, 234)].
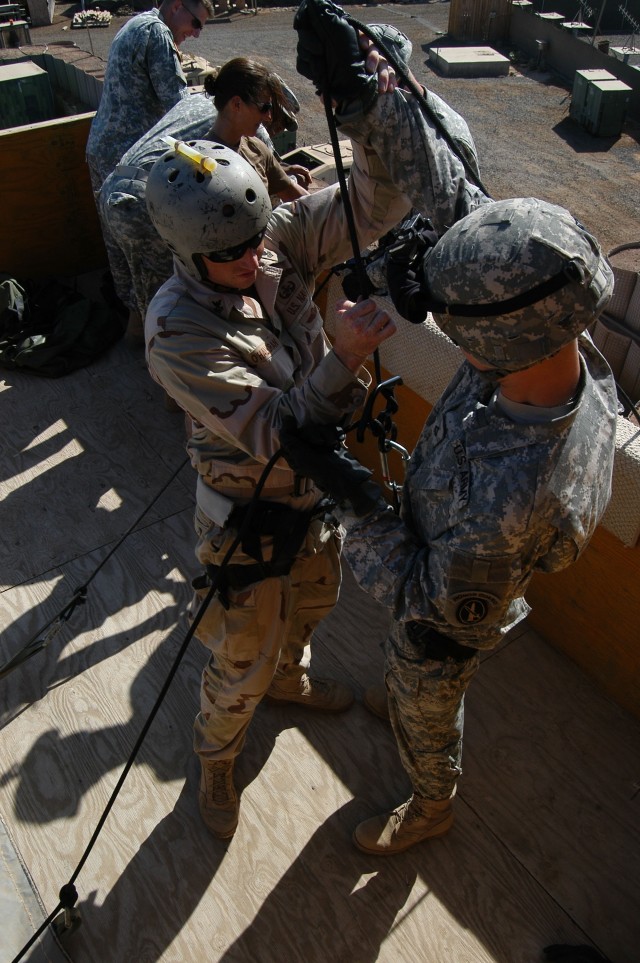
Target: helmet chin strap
[(198, 261)]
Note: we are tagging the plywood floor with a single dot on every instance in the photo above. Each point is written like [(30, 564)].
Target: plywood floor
[(546, 844)]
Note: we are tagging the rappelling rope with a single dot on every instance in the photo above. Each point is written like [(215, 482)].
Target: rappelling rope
[(383, 426)]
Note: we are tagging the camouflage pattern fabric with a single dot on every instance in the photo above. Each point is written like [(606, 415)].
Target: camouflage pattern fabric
[(240, 364), (139, 259), (143, 80), (524, 241), (263, 634), (426, 709), (419, 160), (487, 502)]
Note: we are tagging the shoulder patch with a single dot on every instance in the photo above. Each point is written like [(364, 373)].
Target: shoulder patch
[(470, 608)]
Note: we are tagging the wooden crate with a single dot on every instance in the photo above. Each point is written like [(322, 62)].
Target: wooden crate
[(473, 21)]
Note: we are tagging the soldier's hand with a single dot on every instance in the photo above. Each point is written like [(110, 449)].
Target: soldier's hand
[(376, 63), (317, 452), (360, 329)]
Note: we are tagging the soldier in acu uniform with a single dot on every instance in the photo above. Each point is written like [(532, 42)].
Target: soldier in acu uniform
[(143, 80), (512, 471), (510, 476)]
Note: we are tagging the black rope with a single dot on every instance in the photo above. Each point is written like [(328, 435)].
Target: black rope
[(68, 893), (363, 279), (631, 408), (41, 640)]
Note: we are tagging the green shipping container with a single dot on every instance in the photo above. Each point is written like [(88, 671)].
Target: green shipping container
[(581, 82), (605, 107)]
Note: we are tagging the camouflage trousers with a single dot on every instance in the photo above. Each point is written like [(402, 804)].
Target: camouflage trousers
[(140, 260), (117, 261), (262, 634), (426, 706)]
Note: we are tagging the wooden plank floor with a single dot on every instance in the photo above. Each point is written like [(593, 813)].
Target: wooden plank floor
[(546, 844)]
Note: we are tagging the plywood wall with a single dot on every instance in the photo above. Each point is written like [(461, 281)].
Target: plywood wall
[(50, 223)]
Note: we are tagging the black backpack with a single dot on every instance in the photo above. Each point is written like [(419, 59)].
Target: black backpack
[(50, 329)]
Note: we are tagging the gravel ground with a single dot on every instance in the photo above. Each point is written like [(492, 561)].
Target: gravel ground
[(526, 142)]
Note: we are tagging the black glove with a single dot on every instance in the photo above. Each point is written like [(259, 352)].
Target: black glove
[(405, 273), (329, 53), (317, 452)]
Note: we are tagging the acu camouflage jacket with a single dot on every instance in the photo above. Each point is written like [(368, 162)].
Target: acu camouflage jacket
[(488, 501)]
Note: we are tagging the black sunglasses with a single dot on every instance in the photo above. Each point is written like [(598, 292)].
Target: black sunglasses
[(195, 23), (264, 108), (236, 252)]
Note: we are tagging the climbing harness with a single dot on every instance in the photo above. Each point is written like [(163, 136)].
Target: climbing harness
[(287, 529)]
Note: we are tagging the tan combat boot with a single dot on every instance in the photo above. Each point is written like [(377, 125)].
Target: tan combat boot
[(375, 700), (217, 799), (324, 695), (414, 821)]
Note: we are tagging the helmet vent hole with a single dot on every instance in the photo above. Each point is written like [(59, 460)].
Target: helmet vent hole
[(173, 175), (228, 210), (250, 196), (199, 177), (223, 161)]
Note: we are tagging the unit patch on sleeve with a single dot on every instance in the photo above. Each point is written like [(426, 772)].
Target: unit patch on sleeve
[(469, 608)]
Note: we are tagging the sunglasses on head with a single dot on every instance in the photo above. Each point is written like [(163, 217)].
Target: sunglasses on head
[(236, 252), (264, 108), (195, 23)]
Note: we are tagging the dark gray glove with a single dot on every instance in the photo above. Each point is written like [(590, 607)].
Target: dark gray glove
[(329, 53), (405, 273), (317, 452)]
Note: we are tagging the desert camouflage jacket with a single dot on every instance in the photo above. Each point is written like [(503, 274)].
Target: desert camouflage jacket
[(488, 501), (239, 363)]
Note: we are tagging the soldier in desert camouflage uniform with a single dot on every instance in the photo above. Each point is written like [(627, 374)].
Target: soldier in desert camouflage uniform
[(236, 339), (511, 474)]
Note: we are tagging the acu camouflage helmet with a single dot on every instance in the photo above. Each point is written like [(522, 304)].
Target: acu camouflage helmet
[(203, 198), (515, 281)]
